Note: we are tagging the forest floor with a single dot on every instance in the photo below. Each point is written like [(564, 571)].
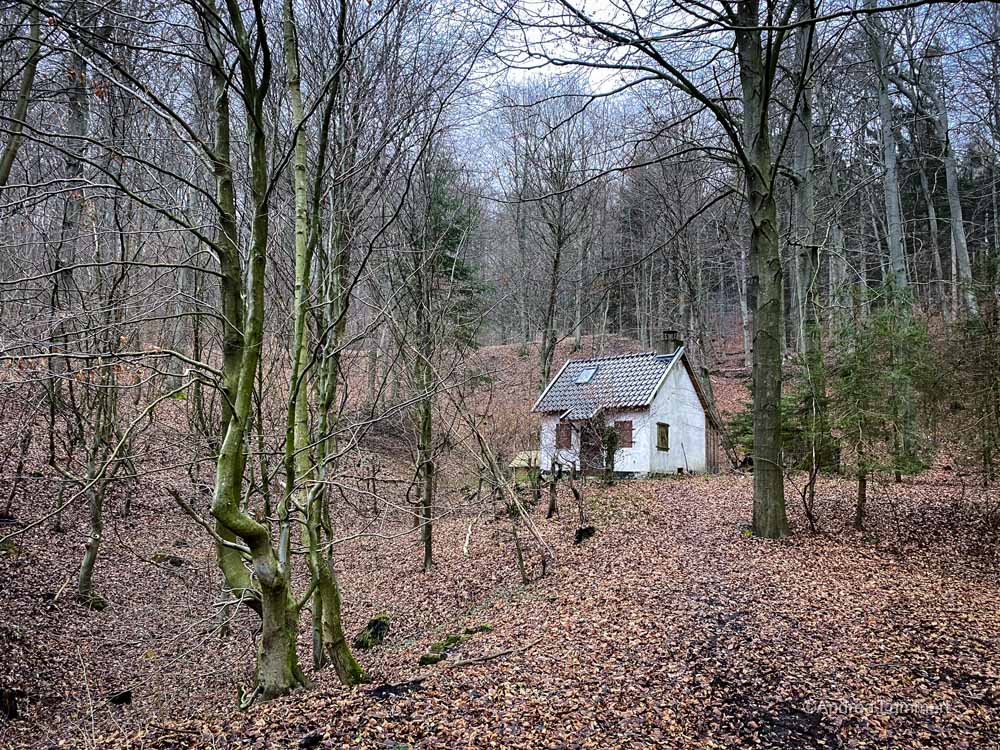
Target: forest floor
[(671, 627)]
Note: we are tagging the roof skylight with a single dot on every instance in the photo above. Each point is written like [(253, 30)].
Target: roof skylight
[(586, 375)]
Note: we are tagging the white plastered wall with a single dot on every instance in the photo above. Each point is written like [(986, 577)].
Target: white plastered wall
[(677, 404)]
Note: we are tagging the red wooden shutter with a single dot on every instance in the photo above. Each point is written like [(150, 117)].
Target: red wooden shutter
[(624, 428), (564, 436)]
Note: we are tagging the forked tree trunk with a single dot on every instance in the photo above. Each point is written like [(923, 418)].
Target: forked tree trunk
[(277, 664)]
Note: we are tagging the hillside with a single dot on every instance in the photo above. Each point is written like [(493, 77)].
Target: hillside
[(671, 627)]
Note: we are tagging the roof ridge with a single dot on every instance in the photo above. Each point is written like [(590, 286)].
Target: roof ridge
[(614, 356)]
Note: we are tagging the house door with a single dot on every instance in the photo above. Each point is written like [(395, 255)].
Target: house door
[(712, 447)]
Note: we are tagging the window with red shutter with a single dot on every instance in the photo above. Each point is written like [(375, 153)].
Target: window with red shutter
[(564, 435), (624, 428)]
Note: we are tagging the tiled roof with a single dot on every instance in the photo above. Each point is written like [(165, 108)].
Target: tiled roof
[(621, 382)]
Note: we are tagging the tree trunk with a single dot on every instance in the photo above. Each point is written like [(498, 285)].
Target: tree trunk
[(743, 292), (961, 246), (85, 588), (549, 328), (553, 509), (859, 510), (237, 580), (425, 437), (329, 640), (518, 553), (579, 301), (278, 668), (887, 138), (769, 518), (809, 259), (837, 253), (935, 249), (23, 98), (277, 665)]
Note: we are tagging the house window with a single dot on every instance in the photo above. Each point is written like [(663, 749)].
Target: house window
[(586, 375), (564, 435), (624, 428), (662, 436)]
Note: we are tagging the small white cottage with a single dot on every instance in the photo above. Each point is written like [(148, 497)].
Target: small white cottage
[(653, 400)]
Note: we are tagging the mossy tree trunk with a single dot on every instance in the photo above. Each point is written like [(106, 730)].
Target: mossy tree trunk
[(330, 645), (278, 671), (302, 467)]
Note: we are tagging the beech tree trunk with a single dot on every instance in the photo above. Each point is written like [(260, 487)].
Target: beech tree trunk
[(743, 292), (935, 249), (887, 139), (862, 499), (85, 584), (767, 280), (549, 336), (964, 266), (278, 671), (308, 455), (808, 253)]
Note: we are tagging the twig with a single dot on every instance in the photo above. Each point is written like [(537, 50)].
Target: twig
[(203, 522), (468, 535), (496, 655), (61, 589)]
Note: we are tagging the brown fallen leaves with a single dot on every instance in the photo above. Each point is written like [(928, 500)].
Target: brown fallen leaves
[(670, 628)]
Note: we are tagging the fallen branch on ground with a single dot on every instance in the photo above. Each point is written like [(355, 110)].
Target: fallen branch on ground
[(496, 655)]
